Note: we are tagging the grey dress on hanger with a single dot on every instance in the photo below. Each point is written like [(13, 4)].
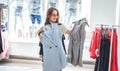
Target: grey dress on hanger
[(76, 43)]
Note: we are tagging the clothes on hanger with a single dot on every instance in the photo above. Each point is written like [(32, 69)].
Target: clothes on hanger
[(114, 53), (76, 43), (101, 41)]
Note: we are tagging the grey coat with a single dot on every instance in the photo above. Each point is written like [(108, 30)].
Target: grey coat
[(54, 55), (76, 43)]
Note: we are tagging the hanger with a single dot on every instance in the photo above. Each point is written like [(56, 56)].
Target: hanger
[(84, 19)]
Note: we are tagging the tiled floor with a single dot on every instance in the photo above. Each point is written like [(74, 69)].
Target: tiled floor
[(31, 65)]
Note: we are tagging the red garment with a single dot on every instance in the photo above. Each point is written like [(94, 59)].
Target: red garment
[(114, 55), (95, 43)]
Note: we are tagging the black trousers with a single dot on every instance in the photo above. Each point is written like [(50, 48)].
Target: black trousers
[(41, 48)]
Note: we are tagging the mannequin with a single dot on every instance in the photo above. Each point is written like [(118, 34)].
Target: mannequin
[(19, 8), (35, 15)]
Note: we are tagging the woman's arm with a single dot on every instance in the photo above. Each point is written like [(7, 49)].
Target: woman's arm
[(39, 33), (65, 30), (42, 30)]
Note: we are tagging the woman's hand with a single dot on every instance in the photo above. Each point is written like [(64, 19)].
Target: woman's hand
[(70, 29), (39, 32)]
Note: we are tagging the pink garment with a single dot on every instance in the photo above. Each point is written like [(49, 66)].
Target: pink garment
[(4, 54)]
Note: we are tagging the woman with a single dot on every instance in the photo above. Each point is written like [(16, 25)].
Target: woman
[(54, 56)]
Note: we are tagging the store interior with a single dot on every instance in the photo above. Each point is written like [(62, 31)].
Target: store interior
[(20, 41)]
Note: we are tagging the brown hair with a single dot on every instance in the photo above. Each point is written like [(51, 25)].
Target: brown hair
[(49, 13)]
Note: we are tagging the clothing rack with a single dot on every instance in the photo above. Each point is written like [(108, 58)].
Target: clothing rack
[(112, 27)]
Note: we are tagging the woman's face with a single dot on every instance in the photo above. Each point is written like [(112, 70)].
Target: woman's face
[(54, 16)]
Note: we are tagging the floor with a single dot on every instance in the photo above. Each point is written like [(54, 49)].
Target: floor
[(13, 64), (35, 65)]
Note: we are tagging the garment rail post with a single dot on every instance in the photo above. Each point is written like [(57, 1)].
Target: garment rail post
[(110, 49)]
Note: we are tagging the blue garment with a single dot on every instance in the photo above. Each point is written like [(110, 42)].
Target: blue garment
[(35, 7), (54, 55), (34, 18), (18, 11), (52, 4)]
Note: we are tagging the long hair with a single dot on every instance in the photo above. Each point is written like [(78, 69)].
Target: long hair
[(49, 13)]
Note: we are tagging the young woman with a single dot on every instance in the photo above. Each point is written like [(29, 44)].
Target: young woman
[(50, 35)]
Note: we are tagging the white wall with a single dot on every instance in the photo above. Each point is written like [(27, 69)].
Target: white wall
[(85, 8), (102, 12), (24, 49)]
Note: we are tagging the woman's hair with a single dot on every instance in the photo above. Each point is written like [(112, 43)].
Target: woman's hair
[(49, 13)]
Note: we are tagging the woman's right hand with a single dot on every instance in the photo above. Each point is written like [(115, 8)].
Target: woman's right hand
[(40, 30), (39, 33)]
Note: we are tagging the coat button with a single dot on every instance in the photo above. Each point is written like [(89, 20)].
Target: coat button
[(56, 46)]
